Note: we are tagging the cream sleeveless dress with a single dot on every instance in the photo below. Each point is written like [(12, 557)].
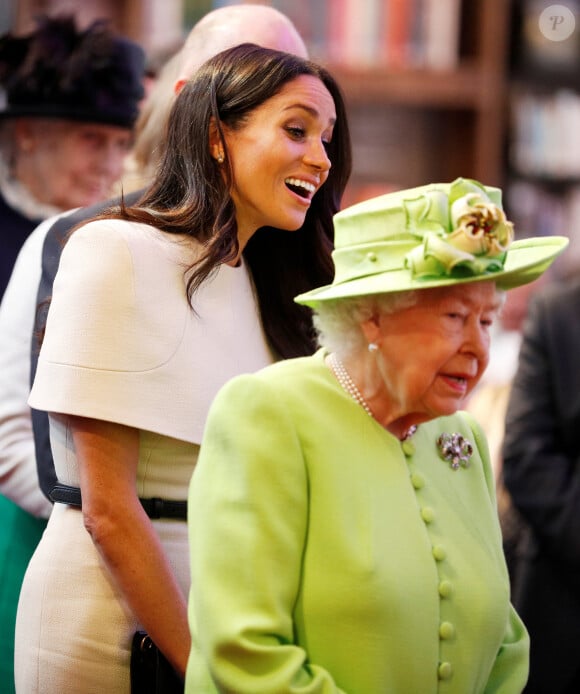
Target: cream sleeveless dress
[(122, 344)]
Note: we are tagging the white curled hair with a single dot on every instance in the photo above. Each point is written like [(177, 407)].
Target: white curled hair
[(337, 322)]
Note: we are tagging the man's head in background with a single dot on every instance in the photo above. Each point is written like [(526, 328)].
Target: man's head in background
[(228, 26)]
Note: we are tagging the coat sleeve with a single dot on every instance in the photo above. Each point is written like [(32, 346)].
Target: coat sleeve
[(541, 453), (510, 669), (18, 475), (248, 510)]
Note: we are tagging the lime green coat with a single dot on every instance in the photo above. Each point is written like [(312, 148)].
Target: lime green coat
[(328, 557)]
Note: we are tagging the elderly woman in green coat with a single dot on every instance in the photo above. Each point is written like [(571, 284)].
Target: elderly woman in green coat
[(344, 534)]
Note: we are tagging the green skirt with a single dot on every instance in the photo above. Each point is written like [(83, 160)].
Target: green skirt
[(19, 534)]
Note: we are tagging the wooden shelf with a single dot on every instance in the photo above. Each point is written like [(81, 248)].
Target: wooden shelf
[(461, 88), (457, 118)]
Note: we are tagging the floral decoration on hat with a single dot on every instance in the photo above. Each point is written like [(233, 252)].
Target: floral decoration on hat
[(469, 235)]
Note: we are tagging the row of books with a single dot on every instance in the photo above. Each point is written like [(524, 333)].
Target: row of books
[(377, 33), (545, 136)]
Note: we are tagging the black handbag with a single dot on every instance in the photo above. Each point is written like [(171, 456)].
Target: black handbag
[(151, 672)]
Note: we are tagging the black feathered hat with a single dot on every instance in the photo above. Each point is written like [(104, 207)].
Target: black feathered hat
[(59, 71)]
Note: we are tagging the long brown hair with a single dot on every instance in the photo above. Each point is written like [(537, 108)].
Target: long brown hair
[(189, 194)]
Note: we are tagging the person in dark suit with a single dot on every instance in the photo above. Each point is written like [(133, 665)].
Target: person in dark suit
[(541, 458)]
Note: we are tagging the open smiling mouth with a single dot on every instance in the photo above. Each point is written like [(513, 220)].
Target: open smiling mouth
[(301, 188)]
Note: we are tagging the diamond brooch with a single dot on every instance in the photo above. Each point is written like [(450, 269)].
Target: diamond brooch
[(455, 449)]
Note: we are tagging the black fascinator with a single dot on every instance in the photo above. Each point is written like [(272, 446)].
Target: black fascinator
[(60, 72)]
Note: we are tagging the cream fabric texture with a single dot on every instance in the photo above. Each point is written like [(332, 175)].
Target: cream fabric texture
[(125, 331)]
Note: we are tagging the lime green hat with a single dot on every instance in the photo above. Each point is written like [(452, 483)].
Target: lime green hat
[(431, 236)]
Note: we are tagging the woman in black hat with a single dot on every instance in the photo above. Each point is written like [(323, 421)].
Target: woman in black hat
[(68, 102)]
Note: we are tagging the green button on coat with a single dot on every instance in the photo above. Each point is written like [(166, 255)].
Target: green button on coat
[(445, 589), (439, 553), (446, 630), (444, 671), (417, 480)]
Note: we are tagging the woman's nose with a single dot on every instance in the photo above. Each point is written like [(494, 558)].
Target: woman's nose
[(317, 156), (477, 339)]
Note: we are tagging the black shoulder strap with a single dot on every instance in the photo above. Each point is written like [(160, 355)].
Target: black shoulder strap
[(53, 244)]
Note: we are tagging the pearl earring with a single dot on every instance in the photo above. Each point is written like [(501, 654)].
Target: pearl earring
[(220, 158), (373, 347)]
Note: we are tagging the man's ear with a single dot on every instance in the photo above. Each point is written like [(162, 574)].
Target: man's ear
[(216, 147)]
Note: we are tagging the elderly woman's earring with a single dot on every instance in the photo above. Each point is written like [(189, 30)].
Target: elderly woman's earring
[(373, 347), (220, 158)]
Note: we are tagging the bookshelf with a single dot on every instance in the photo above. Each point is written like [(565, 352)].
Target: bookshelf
[(542, 157), (424, 80), (432, 110), (156, 24)]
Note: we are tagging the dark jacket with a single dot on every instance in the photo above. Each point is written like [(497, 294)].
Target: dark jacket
[(14, 230), (542, 473)]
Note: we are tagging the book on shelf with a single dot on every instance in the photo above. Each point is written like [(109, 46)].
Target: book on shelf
[(310, 19), (545, 136), (442, 26), (396, 34), (536, 210), (376, 33), (397, 24)]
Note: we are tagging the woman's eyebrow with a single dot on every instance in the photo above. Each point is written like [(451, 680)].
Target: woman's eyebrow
[(310, 109)]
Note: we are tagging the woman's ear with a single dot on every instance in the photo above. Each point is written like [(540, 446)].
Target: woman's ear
[(371, 328), (216, 147), (24, 136)]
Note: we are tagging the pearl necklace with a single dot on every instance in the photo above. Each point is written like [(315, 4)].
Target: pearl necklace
[(349, 386), (347, 383)]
